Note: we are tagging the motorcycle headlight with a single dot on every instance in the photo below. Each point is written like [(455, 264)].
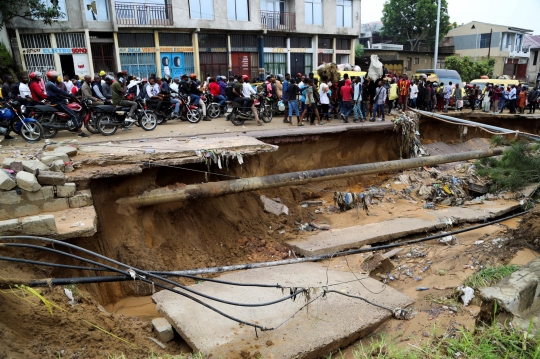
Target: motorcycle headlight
[(23, 108)]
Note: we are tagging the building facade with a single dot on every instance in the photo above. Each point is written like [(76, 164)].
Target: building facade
[(532, 43), (504, 43), (172, 37)]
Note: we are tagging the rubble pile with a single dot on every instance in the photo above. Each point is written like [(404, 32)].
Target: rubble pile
[(407, 124)]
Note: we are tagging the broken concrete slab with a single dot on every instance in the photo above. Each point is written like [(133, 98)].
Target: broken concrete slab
[(67, 150), (392, 253), (6, 163), (51, 178), (34, 166), (10, 226), (39, 225), (327, 324), (377, 264), (163, 329), (57, 166), (27, 181), (75, 223), (67, 190), (6, 181), (518, 294), (81, 199), (274, 207), (42, 194), (52, 157), (9, 197), (357, 236), (55, 205)]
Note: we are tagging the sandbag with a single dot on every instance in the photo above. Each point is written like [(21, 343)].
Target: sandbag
[(357, 68), (375, 69)]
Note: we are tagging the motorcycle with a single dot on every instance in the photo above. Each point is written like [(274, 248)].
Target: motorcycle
[(163, 109), (54, 120), (114, 117), (212, 107), (238, 118), (11, 117), (189, 111)]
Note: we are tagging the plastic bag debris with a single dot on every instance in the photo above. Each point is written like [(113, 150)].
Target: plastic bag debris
[(69, 294), (468, 295)]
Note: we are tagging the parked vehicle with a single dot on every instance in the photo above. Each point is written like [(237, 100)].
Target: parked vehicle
[(438, 75), (238, 118), (54, 120), (163, 110), (114, 117), (212, 107), (11, 117), (189, 111)]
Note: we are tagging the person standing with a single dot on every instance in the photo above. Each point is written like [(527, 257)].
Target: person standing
[(379, 100), (357, 98), (421, 94), (447, 93), (324, 98), (458, 96), (346, 95), (497, 92), (341, 83), (292, 92), (413, 94), (533, 100), (392, 95), (513, 99), (403, 85), (365, 97), (504, 98), (284, 96), (472, 97), (310, 102), (68, 83), (522, 99)]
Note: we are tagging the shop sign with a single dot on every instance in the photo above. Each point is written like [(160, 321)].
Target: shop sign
[(74, 50), (176, 49), (278, 49), (213, 49), (136, 49), (343, 52), (243, 49), (325, 51), (299, 50)]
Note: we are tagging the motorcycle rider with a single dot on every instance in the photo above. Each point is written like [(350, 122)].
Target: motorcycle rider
[(166, 93), (215, 90), (86, 91), (247, 91), (57, 97), (106, 87), (118, 89), (35, 88), (97, 89), (196, 95)]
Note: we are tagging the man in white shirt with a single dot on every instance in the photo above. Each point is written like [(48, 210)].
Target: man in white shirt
[(413, 94), (152, 90), (24, 90), (247, 90), (174, 85), (512, 98), (357, 97), (68, 83)]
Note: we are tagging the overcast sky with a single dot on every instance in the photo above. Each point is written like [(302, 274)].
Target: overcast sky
[(524, 14)]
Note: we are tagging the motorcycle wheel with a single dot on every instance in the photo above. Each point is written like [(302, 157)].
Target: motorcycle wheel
[(148, 122), (13, 128), (193, 116), (91, 125), (213, 110), (105, 126), (236, 120), (160, 119), (32, 131), (266, 115), (47, 131)]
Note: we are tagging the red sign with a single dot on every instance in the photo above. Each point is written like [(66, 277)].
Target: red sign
[(79, 50)]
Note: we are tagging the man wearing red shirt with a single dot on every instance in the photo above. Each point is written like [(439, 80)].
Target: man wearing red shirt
[(346, 93), (215, 90), (35, 89), (403, 87)]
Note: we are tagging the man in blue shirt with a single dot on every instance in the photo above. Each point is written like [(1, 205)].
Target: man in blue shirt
[(284, 96), (447, 94), (57, 97)]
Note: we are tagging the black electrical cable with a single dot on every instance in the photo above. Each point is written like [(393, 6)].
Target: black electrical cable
[(357, 297), (23, 245), (47, 264)]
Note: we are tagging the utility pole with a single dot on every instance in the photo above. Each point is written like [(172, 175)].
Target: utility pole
[(489, 45), (435, 60)]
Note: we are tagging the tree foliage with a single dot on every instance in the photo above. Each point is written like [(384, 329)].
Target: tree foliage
[(468, 69), (29, 10), (414, 20), (359, 50)]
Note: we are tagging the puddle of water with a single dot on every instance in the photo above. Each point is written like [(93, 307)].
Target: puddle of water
[(524, 256), (140, 307)]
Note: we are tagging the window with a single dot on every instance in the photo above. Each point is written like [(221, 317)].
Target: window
[(96, 10), (519, 42), (535, 58), (325, 43), (212, 40), (275, 63), (238, 10), (275, 41), (325, 59), (484, 41), (409, 64), (416, 60), (313, 10), (201, 9), (342, 59), (243, 40), (343, 44), (174, 39), (301, 42), (344, 13), (61, 7), (135, 40), (273, 5)]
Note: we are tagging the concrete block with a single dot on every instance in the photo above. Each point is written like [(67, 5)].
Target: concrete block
[(10, 226), (274, 207), (50, 158), (6, 181), (55, 204), (16, 166), (51, 178), (163, 329), (71, 143), (39, 225), (57, 166), (9, 197), (67, 190), (81, 199), (7, 162), (42, 194), (27, 181), (68, 150), (33, 166), (26, 210)]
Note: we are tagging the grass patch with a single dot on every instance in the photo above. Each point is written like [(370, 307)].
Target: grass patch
[(484, 342), (489, 276)]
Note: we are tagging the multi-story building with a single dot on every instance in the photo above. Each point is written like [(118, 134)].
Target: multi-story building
[(480, 40), (532, 44), (171, 37)]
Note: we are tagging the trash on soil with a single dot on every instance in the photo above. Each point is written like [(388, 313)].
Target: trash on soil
[(69, 294), (468, 295), (404, 314), (347, 200), (449, 240), (478, 242), (322, 227), (77, 224), (422, 288)]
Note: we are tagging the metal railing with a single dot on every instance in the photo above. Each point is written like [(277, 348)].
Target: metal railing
[(143, 14), (276, 20)]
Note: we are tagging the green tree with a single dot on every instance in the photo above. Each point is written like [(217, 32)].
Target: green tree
[(468, 69), (414, 20), (29, 10), (359, 50)]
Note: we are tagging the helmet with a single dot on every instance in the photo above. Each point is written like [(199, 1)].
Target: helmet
[(268, 77), (245, 77), (279, 77), (102, 73), (192, 76), (109, 77), (52, 75), (32, 75), (281, 106), (37, 73)]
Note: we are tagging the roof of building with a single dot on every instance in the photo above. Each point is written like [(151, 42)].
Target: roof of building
[(518, 29), (532, 40)]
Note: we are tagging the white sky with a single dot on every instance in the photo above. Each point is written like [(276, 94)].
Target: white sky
[(524, 14)]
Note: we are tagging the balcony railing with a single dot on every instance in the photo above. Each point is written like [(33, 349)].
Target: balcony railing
[(276, 20), (143, 14)]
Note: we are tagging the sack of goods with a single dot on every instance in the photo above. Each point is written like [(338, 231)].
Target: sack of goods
[(375, 71)]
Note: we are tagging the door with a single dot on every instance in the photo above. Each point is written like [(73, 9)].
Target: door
[(297, 64), (103, 57), (66, 62), (241, 63)]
